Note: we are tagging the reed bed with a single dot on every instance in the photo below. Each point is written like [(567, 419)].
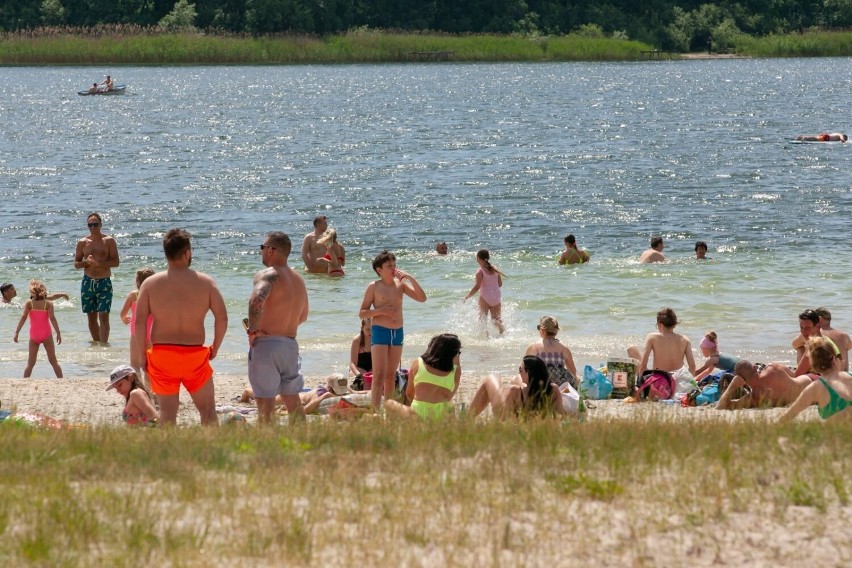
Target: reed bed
[(809, 44), (636, 492)]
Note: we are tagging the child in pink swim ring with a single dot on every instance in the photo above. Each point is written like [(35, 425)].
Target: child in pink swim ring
[(39, 310)]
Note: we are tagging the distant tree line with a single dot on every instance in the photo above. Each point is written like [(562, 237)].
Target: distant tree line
[(680, 24)]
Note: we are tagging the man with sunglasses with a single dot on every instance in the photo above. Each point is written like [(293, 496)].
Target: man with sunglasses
[(96, 256), (278, 305)]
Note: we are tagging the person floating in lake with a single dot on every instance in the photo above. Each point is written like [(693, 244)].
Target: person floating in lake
[(655, 253), (572, 254), (701, 251), (832, 392), (441, 248), (824, 137), (489, 280), (39, 310)]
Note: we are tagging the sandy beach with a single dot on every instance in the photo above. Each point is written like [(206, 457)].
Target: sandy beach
[(84, 401)]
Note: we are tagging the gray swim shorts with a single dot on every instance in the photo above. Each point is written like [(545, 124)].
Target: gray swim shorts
[(274, 366)]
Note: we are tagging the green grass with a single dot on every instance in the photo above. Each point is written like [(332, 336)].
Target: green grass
[(809, 44), (389, 493)]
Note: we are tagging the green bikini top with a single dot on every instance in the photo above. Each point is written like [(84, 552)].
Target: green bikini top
[(424, 376), (836, 403)]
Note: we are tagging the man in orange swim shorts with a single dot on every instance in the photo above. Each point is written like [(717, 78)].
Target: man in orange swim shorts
[(179, 299)]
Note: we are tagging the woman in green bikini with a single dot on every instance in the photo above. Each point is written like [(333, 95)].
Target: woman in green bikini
[(435, 379), (832, 391)]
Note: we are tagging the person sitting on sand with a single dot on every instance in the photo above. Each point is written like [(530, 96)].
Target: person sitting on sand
[(436, 378), (655, 253), (555, 354), (572, 254), (775, 385), (824, 137), (530, 393), (669, 349), (714, 360), (334, 386), (840, 338), (832, 392), (138, 410), (360, 356)]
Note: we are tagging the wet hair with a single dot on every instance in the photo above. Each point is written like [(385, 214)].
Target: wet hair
[(700, 244), (667, 317), (539, 389), (821, 353), (98, 217), (381, 258), (319, 218), (142, 274), (570, 240), (656, 241), (175, 243), (810, 315), (280, 241), (6, 286), (38, 291), (441, 351)]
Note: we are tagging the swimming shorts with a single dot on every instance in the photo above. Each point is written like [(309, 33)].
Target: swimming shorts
[(274, 366), (95, 294), (431, 410), (382, 335), (170, 366), (39, 325)]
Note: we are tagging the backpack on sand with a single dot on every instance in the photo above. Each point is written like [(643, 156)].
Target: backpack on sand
[(656, 385)]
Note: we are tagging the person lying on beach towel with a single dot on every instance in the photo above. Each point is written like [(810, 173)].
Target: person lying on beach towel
[(334, 386), (773, 386)]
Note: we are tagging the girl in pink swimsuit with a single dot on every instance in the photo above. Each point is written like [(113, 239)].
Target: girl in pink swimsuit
[(489, 280), (128, 316), (39, 310)]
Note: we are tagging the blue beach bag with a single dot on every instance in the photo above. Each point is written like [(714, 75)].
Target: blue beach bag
[(595, 385)]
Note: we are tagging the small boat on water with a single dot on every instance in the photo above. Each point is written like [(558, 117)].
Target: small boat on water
[(117, 90)]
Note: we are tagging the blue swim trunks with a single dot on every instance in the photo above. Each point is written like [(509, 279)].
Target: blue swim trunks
[(96, 294), (386, 336)]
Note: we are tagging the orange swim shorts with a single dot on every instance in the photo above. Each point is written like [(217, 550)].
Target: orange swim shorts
[(170, 366)]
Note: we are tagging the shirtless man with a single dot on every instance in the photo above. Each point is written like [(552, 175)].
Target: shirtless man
[(383, 303), (179, 299), (655, 253), (107, 84), (96, 255), (669, 349), (312, 252), (808, 327), (824, 137), (9, 292), (571, 254), (93, 89), (277, 306), (840, 338), (774, 386)]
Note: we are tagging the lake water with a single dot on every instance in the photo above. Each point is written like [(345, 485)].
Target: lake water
[(508, 157)]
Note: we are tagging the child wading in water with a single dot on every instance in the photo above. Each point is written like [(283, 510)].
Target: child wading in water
[(489, 280), (383, 303), (128, 316), (40, 312), (138, 410)]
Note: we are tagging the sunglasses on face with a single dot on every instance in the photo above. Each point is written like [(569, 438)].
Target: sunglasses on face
[(93, 224), (263, 247)]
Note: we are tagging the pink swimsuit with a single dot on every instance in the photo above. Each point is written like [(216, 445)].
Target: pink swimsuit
[(133, 323), (489, 290), (39, 325)]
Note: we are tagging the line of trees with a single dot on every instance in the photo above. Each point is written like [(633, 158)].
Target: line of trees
[(681, 24)]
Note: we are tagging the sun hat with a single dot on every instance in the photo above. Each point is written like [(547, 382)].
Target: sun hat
[(338, 384), (120, 372)]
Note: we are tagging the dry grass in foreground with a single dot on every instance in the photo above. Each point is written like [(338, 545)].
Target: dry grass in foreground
[(640, 492)]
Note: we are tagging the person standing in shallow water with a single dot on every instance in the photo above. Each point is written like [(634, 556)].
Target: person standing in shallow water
[(96, 255), (572, 254), (489, 280)]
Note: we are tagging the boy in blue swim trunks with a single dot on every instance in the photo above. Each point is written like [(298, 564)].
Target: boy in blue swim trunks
[(383, 303), (96, 255)]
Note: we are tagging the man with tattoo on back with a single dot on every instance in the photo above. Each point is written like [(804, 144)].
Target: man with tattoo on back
[(277, 306)]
